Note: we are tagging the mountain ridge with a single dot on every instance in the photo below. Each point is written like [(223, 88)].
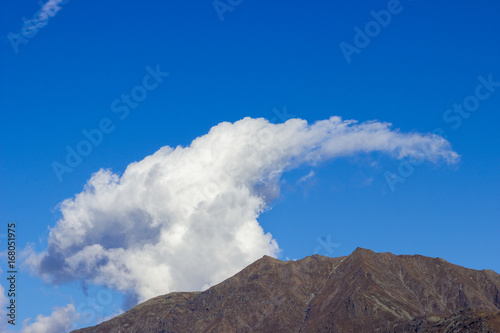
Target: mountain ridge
[(362, 292)]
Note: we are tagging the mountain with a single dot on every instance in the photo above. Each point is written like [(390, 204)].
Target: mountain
[(362, 292)]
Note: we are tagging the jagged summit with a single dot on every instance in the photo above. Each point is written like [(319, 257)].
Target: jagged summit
[(362, 292)]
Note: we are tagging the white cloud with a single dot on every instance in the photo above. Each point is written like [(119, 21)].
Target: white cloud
[(186, 218), (306, 177), (60, 321), (4, 302)]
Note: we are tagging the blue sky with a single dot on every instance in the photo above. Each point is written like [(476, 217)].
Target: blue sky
[(271, 60)]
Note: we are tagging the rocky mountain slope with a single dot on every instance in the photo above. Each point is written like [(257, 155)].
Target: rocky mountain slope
[(362, 292)]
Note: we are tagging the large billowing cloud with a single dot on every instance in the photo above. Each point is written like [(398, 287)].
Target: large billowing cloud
[(186, 218)]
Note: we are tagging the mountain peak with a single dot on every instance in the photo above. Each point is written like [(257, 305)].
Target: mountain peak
[(362, 251)]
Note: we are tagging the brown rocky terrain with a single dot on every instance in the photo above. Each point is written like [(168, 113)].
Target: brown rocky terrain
[(362, 292)]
